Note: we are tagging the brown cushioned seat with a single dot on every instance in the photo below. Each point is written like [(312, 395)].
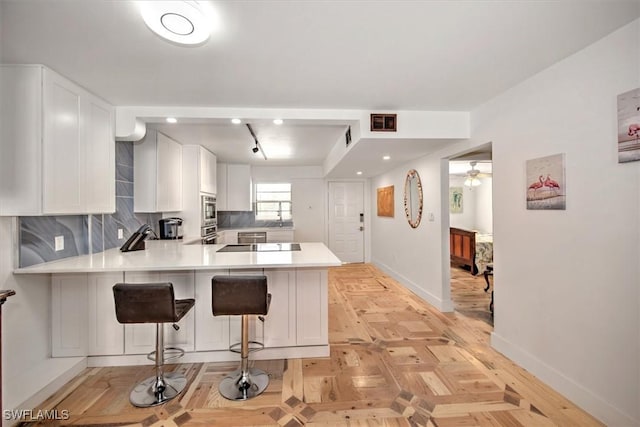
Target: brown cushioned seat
[(238, 295), (149, 303)]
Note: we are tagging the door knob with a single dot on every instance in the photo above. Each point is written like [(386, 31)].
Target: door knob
[(361, 228)]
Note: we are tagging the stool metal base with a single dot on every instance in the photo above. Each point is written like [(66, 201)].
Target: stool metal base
[(147, 393), (237, 386)]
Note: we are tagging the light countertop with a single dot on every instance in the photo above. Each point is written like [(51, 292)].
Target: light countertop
[(171, 255)]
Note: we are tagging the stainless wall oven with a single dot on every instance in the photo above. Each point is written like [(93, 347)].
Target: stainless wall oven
[(209, 212), (209, 234), (208, 220)]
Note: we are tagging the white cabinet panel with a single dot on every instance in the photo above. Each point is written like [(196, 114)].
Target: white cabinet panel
[(207, 171), (234, 187), (141, 338), (100, 151), (106, 334), (68, 315), (62, 146), (312, 307), (213, 331), (280, 323), (157, 182), (58, 149)]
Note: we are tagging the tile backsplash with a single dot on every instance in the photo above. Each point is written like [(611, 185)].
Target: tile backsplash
[(86, 233)]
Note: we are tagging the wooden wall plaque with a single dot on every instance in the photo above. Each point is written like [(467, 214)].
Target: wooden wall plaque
[(385, 201)]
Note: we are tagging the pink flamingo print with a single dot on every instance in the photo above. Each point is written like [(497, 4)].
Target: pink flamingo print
[(536, 185), (634, 130), (553, 185)]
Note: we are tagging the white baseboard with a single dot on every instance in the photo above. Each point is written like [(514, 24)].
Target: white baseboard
[(215, 356), (30, 388), (443, 306), (570, 389)]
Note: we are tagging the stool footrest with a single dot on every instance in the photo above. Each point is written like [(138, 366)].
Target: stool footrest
[(253, 346), (174, 353)]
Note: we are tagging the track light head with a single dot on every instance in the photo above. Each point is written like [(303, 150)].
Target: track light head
[(255, 149)]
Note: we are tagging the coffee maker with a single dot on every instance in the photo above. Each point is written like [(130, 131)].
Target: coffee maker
[(171, 228)]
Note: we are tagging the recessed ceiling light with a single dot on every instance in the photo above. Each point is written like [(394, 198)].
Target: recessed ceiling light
[(172, 120), (236, 121), (181, 22), (386, 157), (277, 121), (359, 173)]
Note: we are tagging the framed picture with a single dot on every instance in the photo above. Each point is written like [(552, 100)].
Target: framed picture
[(455, 199), (629, 126), (546, 188), (385, 201)]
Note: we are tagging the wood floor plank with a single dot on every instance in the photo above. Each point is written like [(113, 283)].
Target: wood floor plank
[(394, 361)]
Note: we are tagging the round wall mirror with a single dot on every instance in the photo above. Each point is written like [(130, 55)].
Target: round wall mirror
[(413, 198)]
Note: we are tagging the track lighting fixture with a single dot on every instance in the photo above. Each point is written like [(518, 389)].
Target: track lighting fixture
[(255, 138)]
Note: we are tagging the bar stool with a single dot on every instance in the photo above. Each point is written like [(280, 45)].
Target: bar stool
[(241, 296), (153, 303)]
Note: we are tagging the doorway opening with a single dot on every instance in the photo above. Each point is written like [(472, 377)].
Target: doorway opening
[(470, 212)]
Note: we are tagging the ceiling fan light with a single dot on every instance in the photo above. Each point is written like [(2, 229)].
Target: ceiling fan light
[(472, 182)]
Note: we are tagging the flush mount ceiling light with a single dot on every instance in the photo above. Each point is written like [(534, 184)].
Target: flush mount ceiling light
[(277, 121), (236, 121), (172, 120), (386, 157), (181, 22)]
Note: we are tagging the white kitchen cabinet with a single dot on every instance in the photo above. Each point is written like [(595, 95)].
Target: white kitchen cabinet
[(58, 145), (106, 334), (141, 338), (157, 174), (312, 307), (83, 315), (234, 187), (198, 179), (280, 324), (279, 236), (213, 331), (207, 167), (68, 315)]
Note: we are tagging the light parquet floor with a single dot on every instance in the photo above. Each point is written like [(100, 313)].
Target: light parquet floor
[(395, 361), (468, 295)]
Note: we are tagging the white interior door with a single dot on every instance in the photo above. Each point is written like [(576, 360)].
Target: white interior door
[(346, 216)]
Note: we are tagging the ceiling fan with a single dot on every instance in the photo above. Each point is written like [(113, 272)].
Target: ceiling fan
[(473, 175)]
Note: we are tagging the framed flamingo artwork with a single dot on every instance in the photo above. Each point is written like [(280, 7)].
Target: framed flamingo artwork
[(629, 126), (546, 186)]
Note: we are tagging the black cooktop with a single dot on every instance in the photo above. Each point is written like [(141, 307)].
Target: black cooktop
[(261, 247)]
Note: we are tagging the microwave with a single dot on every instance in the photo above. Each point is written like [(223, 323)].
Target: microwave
[(209, 213)]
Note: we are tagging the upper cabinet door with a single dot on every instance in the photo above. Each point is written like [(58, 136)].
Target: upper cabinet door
[(157, 170), (207, 172), (238, 187), (99, 163), (57, 143), (62, 146), (169, 190)]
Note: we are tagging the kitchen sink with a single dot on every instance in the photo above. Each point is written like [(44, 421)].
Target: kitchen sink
[(261, 247)]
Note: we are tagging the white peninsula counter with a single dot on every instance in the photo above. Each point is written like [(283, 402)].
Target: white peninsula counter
[(83, 312)]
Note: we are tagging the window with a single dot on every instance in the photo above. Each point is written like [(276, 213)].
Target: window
[(273, 202)]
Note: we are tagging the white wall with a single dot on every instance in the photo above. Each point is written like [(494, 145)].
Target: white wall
[(484, 205), (577, 267), (410, 254), (567, 293), (308, 197)]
